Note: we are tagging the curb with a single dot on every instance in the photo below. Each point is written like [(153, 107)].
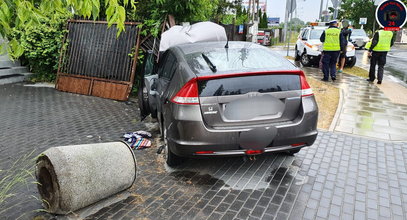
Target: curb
[(338, 110)]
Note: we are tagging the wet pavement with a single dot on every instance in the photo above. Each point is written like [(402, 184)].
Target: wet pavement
[(396, 62), (340, 177), (365, 110)]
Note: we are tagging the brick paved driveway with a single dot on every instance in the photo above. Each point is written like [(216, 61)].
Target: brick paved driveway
[(339, 177)]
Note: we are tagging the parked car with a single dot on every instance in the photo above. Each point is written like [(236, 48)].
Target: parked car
[(359, 38), (234, 100), (309, 47), (263, 38)]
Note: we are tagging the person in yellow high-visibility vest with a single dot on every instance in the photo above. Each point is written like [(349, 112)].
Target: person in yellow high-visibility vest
[(334, 42), (381, 43)]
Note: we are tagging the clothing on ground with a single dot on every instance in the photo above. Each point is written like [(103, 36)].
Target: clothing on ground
[(138, 140)]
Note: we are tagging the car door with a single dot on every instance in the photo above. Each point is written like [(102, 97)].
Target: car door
[(146, 99), (165, 72), (304, 38)]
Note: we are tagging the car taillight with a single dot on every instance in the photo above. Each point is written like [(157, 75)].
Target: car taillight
[(254, 152), (188, 94), (305, 88), (204, 152)]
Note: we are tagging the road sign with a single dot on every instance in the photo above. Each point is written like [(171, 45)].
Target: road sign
[(335, 3), (275, 21), (391, 14), (292, 5), (362, 21)]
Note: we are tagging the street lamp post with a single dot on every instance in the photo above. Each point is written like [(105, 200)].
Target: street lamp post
[(291, 17)]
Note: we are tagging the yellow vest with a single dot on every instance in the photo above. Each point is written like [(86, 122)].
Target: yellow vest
[(384, 41), (368, 44), (332, 41)]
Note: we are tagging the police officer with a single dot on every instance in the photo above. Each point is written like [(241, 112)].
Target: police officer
[(381, 43), (333, 43)]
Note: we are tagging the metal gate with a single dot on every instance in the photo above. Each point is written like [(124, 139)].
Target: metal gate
[(96, 62)]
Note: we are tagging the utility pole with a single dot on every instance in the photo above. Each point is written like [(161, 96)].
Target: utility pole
[(249, 9), (291, 17), (338, 3), (254, 9), (320, 10), (287, 10)]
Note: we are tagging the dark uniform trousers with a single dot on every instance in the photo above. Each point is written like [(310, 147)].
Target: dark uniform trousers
[(380, 59), (329, 60)]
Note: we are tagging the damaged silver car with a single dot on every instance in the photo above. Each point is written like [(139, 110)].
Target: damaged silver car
[(228, 99)]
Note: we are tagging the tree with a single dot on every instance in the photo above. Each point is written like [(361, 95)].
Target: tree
[(25, 14), (265, 20), (262, 19)]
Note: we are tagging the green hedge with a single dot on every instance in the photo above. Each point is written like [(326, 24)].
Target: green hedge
[(42, 44)]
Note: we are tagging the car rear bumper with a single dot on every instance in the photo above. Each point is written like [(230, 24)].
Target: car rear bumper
[(189, 137), (196, 150)]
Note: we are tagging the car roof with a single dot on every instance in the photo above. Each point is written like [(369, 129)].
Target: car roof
[(206, 46), (202, 47), (320, 27)]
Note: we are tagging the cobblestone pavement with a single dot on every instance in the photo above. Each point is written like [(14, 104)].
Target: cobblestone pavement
[(366, 111), (340, 177), (33, 119)]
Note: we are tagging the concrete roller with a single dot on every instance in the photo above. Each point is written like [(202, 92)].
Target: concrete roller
[(73, 177)]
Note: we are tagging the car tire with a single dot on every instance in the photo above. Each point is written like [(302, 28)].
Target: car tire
[(351, 63), (170, 158), (305, 61), (154, 114), (142, 104), (297, 57)]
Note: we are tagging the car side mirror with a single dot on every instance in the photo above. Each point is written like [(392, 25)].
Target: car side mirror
[(304, 38)]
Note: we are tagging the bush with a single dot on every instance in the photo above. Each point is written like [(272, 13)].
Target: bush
[(42, 44)]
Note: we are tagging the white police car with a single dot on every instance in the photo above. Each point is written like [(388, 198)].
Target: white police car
[(308, 47)]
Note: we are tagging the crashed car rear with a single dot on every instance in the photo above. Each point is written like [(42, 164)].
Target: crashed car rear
[(228, 99)]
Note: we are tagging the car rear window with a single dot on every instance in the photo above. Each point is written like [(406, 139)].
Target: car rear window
[(235, 59), (359, 33), (246, 84), (316, 34)]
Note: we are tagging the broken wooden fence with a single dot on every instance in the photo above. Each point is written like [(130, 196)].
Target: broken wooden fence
[(95, 62)]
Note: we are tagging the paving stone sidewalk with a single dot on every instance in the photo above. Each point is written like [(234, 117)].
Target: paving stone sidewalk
[(365, 109), (339, 177)]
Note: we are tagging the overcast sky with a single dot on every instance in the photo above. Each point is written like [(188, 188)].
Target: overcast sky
[(307, 10)]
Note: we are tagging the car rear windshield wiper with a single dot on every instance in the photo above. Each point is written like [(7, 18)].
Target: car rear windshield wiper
[(210, 64)]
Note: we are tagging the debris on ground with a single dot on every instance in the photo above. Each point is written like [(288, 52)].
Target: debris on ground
[(138, 139)]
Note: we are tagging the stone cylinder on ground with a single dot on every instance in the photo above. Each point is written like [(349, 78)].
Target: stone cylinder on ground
[(73, 177)]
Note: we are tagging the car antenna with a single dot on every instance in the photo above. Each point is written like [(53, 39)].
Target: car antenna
[(210, 64)]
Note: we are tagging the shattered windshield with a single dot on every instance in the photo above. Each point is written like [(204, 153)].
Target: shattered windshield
[(233, 59)]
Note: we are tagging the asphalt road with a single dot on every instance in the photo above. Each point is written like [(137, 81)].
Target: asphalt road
[(396, 63)]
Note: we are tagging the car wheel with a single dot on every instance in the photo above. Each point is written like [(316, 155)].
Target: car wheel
[(154, 114), (143, 103), (170, 158), (352, 62), (297, 57), (305, 61)]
